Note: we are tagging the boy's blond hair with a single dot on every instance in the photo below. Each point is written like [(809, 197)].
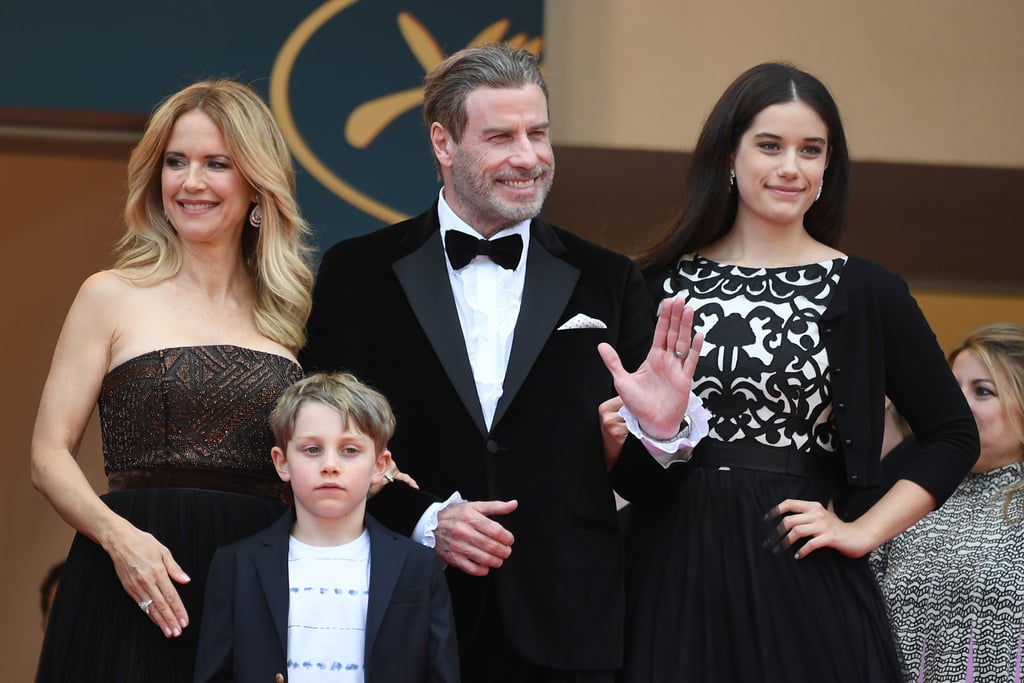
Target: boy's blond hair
[(360, 406)]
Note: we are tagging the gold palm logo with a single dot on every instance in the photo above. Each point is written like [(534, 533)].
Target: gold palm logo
[(367, 120)]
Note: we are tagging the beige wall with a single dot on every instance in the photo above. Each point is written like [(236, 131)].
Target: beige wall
[(60, 217), (926, 80), (954, 315)]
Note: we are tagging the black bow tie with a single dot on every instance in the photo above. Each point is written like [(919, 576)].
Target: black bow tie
[(463, 248)]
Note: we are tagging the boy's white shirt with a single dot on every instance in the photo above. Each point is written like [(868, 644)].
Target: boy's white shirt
[(328, 594)]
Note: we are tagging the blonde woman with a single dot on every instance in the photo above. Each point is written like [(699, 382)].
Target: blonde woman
[(184, 344), (954, 582)]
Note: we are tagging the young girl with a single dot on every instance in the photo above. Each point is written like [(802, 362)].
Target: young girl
[(741, 569)]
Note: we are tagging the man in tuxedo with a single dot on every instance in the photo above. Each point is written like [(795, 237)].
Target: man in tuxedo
[(480, 323)]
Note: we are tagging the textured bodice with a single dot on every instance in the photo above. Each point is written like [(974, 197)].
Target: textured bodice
[(764, 370), (203, 407)]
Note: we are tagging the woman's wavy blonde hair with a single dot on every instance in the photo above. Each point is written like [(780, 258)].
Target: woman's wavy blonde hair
[(1000, 348), (276, 255)]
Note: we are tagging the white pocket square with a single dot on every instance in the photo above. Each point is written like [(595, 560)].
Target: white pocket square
[(583, 322)]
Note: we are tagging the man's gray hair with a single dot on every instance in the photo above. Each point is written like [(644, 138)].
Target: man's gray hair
[(450, 83)]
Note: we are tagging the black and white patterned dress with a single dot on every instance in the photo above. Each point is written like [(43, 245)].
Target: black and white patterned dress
[(711, 596), (954, 585)]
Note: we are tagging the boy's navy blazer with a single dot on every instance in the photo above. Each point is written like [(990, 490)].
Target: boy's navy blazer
[(410, 635)]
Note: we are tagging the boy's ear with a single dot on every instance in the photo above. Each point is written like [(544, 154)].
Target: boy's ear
[(383, 465), (280, 463)]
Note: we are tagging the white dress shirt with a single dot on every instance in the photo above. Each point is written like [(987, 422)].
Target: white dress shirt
[(487, 298)]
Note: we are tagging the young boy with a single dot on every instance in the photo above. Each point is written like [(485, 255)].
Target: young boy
[(356, 601)]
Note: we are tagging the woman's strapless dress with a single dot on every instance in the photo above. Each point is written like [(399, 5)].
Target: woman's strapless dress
[(186, 449)]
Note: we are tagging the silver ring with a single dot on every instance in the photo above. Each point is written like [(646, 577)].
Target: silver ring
[(144, 605), (390, 477), (681, 355)]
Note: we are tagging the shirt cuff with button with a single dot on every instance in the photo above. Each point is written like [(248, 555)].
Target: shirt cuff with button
[(424, 531)]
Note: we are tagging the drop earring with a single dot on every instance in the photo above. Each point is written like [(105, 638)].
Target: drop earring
[(820, 188), (256, 216), (732, 177)]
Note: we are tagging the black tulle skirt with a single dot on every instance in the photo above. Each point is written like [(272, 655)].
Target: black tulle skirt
[(97, 633), (710, 597)]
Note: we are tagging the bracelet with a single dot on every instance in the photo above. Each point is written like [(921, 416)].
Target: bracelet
[(693, 428), (684, 431)]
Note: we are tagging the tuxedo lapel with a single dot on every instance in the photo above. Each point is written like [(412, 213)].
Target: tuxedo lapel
[(272, 568), (386, 561), (424, 279), (549, 284)]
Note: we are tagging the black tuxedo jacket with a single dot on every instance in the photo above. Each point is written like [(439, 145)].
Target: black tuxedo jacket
[(410, 633), (383, 309)]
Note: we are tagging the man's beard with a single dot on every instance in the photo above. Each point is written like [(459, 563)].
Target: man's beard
[(479, 194)]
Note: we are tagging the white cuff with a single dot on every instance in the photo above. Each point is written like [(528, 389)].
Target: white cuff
[(678, 448), (424, 531)]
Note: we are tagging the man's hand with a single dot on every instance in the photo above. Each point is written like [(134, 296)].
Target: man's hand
[(466, 537), (613, 430)]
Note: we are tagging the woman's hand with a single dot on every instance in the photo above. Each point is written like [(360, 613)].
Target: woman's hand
[(147, 572), (819, 525), (658, 392), (392, 474)]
